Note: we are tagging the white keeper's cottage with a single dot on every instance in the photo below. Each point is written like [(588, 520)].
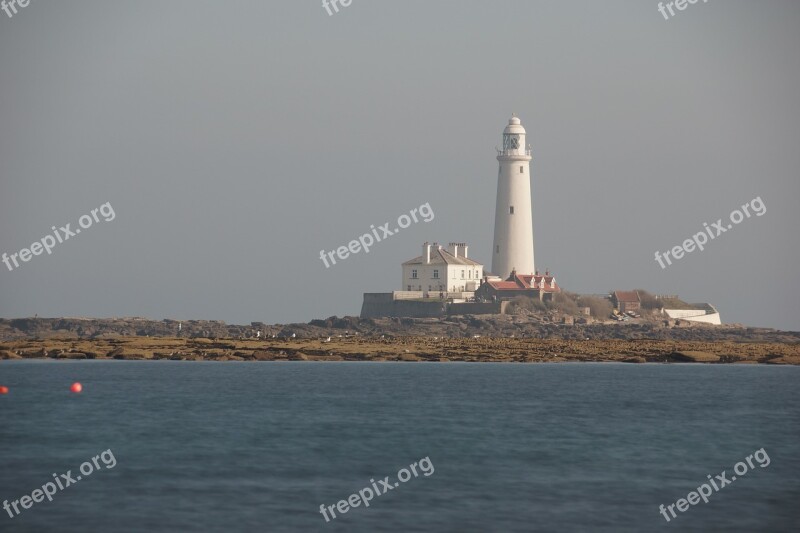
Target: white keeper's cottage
[(441, 269)]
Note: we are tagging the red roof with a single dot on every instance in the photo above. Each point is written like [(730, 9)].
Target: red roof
[(516, 282), (507, 285), (626, 296)]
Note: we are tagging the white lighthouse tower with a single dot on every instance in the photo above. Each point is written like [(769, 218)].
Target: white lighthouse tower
[(513, 219)]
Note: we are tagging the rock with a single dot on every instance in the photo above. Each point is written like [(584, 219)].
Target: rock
[(35, 354), (298, 356), (8, 354), (785, 360), (115, 352), (408, 357), (695, 357), (636, 359), (72, 355), (325, 358), (263, 355), (346, 322)]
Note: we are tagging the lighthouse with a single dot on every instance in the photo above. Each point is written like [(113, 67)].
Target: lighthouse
[(513, 218)]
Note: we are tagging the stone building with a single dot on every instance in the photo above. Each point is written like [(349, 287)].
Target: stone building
[(626, 301)]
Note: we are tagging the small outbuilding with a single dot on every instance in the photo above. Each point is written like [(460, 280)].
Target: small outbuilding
[(626, 301)]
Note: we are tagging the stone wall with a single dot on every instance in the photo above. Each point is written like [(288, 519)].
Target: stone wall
[(478, 308), (383, 305)]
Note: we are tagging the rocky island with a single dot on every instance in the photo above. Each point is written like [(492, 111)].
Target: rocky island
[(480, 338)]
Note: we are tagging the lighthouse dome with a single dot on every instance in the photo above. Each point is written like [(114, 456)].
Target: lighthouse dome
[(514, 126)]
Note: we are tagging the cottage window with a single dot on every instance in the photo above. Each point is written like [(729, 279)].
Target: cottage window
[(414, 274)]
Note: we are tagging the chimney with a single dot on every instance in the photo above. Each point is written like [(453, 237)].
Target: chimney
[(466, 249), (453, 248), (426, 252)]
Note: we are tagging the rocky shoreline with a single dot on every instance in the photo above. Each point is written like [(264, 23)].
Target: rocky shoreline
[(480, 338), (467, 326), (407, 348)]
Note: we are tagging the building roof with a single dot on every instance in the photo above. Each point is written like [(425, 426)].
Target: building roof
[(514, 126), (626, 296), (517, 282), (440, 256)]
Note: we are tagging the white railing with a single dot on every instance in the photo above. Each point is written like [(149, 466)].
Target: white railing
[(513, 152)]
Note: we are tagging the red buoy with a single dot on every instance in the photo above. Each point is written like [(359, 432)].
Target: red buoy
[(3, 390), (76, 387)]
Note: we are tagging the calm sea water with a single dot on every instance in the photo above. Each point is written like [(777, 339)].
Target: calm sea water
[(515, 447)]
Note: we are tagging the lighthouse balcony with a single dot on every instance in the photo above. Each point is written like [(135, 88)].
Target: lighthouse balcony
[(512, 153)]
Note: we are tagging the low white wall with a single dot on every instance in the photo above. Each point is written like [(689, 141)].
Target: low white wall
[(713, 318), (407, 295), (694, 315), (684, 313)]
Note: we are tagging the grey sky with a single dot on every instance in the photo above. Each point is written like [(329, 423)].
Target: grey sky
[(237, 139)]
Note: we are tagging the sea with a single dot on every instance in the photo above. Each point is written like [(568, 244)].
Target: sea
[(496, 447)]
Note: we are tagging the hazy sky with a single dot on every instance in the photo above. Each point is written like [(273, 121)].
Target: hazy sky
[(235, 140)]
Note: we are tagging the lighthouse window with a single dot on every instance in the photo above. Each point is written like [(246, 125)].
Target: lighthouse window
[(521, 170), (511, 210), (498, 249)]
